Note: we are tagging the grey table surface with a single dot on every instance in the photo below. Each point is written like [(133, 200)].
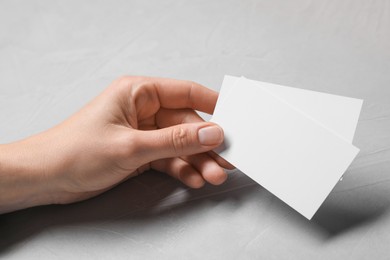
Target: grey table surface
[(57, 55)]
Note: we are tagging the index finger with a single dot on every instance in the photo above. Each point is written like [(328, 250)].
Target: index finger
[(177, 94)]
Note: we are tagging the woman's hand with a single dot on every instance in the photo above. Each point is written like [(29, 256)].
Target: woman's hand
[(136, 124)]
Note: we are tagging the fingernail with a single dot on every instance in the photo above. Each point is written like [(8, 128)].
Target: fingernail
[(210, 135)]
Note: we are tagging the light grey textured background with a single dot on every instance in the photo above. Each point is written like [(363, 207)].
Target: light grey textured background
[(57, 55)]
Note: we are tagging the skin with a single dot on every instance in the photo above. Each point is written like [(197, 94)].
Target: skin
[(136, 124)]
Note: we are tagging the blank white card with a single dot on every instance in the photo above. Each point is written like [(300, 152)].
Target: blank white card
[(295, 143)]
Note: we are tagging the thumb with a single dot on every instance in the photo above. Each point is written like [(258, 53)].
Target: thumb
[(178, 140)]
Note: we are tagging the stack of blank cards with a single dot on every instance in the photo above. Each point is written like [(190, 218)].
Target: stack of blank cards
[(296, 143)]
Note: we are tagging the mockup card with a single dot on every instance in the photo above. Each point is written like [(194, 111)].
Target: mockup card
[(295, 143)]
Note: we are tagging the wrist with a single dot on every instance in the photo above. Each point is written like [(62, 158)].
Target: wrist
[(27, 177)]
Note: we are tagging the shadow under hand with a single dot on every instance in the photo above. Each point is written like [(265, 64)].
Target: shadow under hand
[(146, 201), (141, 200)]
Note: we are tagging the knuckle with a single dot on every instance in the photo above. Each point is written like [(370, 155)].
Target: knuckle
[(131, 87), (125, 79), (180, 139), (191, 83), (190, 100), (127, 82), (122, 84)]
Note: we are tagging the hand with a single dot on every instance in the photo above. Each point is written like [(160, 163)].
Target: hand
[(136, 124)]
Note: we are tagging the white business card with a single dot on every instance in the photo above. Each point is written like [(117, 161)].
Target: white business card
[(294, 147)]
